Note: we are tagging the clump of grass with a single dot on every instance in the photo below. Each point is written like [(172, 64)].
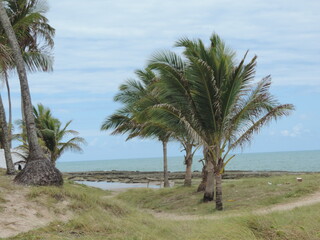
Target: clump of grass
[(2, 201), (301, 223), (262, 227), (80, 198)]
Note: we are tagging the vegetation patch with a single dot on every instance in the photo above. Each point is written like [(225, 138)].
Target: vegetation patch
[(240, 194), (96, 216), (79, 197)]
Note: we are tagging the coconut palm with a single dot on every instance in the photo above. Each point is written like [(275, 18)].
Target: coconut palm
[(52, 136), (180, 130), (30, 25), (133, 95), (227, 106), (38, 170), (34, 35)]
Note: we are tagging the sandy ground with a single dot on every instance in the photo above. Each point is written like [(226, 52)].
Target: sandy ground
[(21, 215)]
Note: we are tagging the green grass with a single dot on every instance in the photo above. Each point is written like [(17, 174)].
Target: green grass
[(299, 224), (98, 217), (239, 195), (80, 197)]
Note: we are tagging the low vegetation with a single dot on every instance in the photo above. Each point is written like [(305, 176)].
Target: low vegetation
[(99, 215), (137, 226), (240, 195)]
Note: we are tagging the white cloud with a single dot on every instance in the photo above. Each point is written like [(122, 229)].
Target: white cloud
[(99, 44), (297, 130)]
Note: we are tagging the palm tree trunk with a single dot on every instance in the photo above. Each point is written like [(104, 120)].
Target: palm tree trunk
[(188, 162), (219, 205), (209, 191), (5, 140), (10, 109), (203, 184), (165, 165), (38, 170), (24, 134)]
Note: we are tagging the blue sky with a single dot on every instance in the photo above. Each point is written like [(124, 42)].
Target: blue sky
[(98, 45)]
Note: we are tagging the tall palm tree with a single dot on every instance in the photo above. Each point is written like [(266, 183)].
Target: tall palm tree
[(30, 25), (177, 130), (38, 170), (5, 59), (227, 106), (34, 35), (128, 118)]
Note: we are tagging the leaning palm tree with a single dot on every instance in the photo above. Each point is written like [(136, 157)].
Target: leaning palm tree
[(38, 170), (35, 38), (227, 106), (30, 25), (5, 59)]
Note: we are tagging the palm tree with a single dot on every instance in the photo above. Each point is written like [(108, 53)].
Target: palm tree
[(38, 170), (35, 38), (52, 133), (177, 131), (133, 95), (5, 59), (29, 25), (227, 106), (188, 145)]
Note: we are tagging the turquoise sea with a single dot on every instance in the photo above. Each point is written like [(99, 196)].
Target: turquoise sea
[(308, 161)]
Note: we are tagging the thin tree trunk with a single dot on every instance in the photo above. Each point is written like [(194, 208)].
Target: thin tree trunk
[(209, 191), (203, 184), (219, 205), (218, 177), (5, 139), (10, 109), (165, 165), (188, 162), (24, 132), (38, 170)]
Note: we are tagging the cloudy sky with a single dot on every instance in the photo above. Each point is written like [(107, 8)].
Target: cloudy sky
[(99, 44)]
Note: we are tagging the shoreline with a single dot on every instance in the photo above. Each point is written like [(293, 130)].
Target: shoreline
[(157, 176)]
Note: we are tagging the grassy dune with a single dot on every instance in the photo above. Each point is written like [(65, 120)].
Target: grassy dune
[(97, 215)]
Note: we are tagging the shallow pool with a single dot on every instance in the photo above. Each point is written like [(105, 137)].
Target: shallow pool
[(117, 185)]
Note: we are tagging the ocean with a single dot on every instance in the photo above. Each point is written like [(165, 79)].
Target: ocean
[(306, 161)]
